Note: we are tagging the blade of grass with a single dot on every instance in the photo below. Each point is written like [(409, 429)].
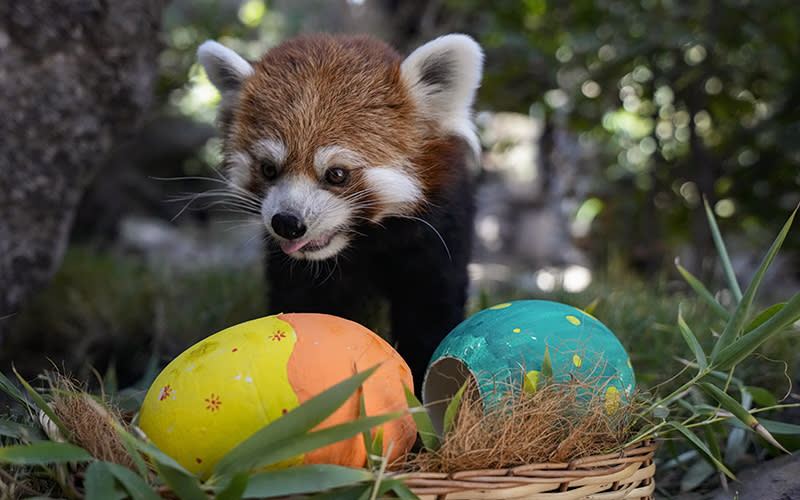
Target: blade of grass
[(430, 440), (734, 326), (743, 347), (738, 411), (296, 422), (723, 252), (255, 452), (136, 486), (12, 390), (303, 479), (16, 430), (691, 340), (701, 448), (763, 316), (44, 452), (99, 483), (235, 488), (186, 486), (452, 409), (42, 404), (701, 290)]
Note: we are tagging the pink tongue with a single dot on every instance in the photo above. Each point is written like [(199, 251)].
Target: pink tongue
[(290, 247)]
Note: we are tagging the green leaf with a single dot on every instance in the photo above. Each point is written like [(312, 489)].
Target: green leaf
[(297, 445), (424, 425), (235, 488), (696, 475), (303, 479), (351, 493), (780, 428), (694, 345), (42, 404), (547, 366), (762, 396), (374, 446), (701, 448), (158, 456), (404, 492), (740, 412), (16, 430), (12, 390), (43, 452), (185, 485), (763, 317), (703, 292), (249, 454), (136, 486), (743, 347), (723, 253), (99, 483), (733, 328), (129, 442), (452, 409)]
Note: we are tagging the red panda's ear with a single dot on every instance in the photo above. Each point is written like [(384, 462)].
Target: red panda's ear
[(443, 76), (225, 68)]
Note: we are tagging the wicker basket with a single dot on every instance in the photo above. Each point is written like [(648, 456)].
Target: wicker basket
[(624, 475)]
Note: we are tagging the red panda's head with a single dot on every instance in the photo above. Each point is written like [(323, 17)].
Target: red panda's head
[(331, 131)]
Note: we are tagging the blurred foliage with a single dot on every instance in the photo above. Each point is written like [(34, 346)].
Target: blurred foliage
[(678, 99)]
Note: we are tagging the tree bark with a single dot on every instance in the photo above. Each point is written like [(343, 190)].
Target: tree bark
[(75, 77)]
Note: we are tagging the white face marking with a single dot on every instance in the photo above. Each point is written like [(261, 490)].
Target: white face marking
[(269, 149), (398, 191), (238, 168), (327, 156), (325, 216)]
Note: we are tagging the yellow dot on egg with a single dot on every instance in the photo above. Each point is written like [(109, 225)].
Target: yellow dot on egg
[(612, 400), (574, 320), (577, 361), (501, 306), (516, 330)]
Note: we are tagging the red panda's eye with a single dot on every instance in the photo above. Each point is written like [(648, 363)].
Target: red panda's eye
[(337, 175), (269, 170)]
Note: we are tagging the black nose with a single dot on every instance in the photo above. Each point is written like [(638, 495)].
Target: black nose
[(288, 225)]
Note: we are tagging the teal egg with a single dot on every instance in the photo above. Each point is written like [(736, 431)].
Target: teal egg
[(504, 347)]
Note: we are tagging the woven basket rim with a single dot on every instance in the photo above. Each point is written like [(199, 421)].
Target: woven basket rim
[(626, 474)]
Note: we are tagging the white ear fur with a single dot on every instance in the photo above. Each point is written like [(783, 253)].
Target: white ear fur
[(443, 76), (225, 68)]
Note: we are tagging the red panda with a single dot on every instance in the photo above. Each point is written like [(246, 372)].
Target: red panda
[(360, 163)]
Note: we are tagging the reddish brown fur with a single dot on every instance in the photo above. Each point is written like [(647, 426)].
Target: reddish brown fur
[(323, 90)]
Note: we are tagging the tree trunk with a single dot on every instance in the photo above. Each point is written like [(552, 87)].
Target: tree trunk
[(75, 76)]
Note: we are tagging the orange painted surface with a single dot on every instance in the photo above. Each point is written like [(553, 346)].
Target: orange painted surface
[(330, 349)]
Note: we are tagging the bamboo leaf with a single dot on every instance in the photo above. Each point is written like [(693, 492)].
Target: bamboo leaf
[(136, 486), (723, 252), (763, 317), (128, 441), (373, 445), (404, 492), (256, 453), (701, 290), (298, 421), (743, 347), (351, 493), (424, 425), (694, 345), (734, 326), (185, 485), (99, 483), (43, 452), (42, 404), (19, 431), (739, 411), (12, 390), (303, 479), (547, 366), (452, 409), (235, 488), (701, 448), (761, 396)]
